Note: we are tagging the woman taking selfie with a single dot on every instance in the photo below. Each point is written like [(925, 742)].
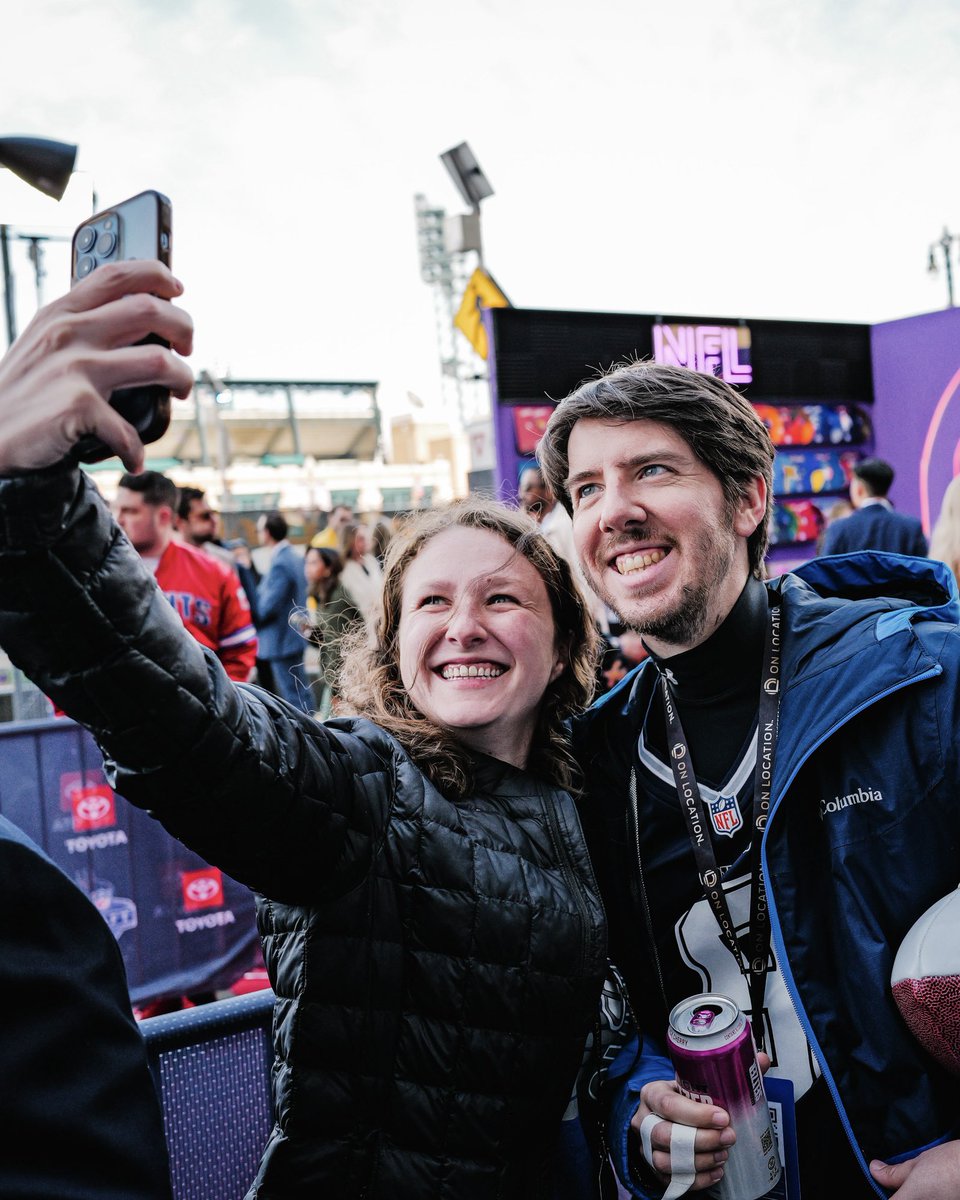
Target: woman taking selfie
[(428, 913)]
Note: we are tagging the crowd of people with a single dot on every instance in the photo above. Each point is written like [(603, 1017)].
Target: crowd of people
[(260, 622), (481, 889)]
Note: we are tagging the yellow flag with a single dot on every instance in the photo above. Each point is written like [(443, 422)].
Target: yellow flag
[(481, 292)]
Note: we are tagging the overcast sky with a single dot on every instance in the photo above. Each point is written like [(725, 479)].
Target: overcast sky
[(740, 159)]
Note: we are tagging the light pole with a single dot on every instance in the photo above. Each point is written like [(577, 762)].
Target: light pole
[(473, 186), (945, 243), (7, 285), (46, 165)]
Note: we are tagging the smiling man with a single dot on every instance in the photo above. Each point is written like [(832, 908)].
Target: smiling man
[(705, 770), (676, 576)]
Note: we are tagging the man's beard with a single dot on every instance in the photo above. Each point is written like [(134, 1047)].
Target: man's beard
[(684, 623)]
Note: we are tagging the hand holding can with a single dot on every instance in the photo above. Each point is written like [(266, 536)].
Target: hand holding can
[(712, 1049)]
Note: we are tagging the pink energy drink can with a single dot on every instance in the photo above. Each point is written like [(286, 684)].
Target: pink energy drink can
[(711, 1046)]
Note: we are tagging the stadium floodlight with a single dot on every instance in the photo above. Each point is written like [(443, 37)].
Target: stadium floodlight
[(465, 172), (46, 165)]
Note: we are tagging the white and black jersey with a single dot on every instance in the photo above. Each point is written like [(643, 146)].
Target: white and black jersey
[(693, 955)]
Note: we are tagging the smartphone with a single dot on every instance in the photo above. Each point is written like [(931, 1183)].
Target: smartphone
[(138, 228)]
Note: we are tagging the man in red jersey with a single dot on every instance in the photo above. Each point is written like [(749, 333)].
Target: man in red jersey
[(207, 595)]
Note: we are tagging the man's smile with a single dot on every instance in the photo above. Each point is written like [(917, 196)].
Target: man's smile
[(629, 564)]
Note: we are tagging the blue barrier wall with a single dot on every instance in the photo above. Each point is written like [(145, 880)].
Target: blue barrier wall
[(183, 927)]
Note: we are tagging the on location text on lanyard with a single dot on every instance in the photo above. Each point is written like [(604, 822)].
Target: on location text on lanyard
[(755, 964)]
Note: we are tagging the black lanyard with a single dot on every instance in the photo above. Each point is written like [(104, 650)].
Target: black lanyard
[(755, 964)]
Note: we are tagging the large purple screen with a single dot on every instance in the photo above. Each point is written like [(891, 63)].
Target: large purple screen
[(916, 411)]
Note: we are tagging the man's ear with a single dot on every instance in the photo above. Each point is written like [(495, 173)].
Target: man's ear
[(751, 507)]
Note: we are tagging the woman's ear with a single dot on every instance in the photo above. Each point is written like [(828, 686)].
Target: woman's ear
[(560, 665)]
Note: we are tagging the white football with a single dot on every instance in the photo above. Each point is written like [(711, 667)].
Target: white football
[(926, 980)]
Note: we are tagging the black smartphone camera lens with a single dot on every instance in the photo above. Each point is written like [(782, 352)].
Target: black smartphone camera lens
[(86, 238), (85, 265), (106, 244)]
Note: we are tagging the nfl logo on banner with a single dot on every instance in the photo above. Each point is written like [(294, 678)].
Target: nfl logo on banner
[(725, 815)]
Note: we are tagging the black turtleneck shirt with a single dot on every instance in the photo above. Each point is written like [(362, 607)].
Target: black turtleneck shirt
[(716, 687)]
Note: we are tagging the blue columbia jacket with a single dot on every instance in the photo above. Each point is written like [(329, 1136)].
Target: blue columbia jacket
[(870, 707)]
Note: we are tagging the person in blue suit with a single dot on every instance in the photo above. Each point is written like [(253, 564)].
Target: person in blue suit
[(874, 523), (79, 1114), (282, 592)]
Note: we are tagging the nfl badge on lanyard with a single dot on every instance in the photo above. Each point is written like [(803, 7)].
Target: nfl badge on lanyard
[(725, 815)]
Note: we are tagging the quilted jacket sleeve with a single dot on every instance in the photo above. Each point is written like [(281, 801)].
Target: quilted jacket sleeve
[(291, 808)]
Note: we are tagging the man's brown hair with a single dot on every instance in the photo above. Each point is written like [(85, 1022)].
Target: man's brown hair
[(716, 421)]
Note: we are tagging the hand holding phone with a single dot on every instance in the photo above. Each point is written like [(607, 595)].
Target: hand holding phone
[(140, 227)]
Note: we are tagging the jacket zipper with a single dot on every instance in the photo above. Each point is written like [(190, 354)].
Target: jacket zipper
[(571, 877), (642, 882)]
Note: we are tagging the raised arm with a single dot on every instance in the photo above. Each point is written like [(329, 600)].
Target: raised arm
[(56, 379), (251, 785)]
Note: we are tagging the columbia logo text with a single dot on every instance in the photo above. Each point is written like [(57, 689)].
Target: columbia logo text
[(839, 803)]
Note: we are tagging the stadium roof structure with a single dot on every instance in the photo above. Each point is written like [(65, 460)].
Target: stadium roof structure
[(272, 421)]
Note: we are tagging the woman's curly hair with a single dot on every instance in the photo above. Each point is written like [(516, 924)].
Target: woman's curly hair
[(370, 679)]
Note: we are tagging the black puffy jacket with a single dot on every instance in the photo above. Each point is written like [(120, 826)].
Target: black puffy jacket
[(437, 964)]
